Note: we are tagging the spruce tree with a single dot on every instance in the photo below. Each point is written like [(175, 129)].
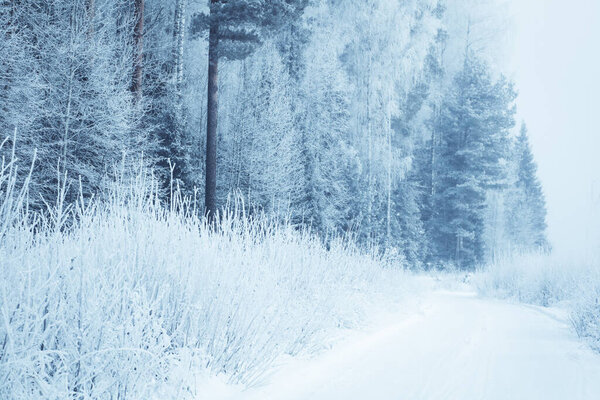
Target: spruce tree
[(527, 206), (476, 116)]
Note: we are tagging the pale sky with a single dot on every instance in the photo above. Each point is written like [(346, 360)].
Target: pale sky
[(556, 64)]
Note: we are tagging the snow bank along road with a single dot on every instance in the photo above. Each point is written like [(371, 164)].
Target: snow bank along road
[(458, 347)]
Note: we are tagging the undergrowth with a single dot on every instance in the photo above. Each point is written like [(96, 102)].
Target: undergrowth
[(106, 298)]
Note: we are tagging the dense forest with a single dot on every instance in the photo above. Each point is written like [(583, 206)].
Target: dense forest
[(384, 120), (295, 199)]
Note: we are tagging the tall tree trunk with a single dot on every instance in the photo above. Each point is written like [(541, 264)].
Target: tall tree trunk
[(211, 119), (177, 71), (389, 174), (138, 39), (179, 39)]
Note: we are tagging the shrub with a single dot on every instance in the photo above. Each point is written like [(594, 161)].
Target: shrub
[(106, 299), (548, 280)]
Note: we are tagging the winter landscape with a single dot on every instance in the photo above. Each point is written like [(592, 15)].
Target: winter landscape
[(299, 199)]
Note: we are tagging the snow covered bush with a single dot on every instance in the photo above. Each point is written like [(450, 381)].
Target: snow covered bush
[(105, 299), (585, 313), (548, 280), (531, 278)]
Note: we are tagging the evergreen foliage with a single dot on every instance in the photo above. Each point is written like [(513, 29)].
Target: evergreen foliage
[(243, 25), (527, 206), (474, 125)]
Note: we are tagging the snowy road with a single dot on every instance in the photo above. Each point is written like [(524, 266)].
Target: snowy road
[(458, 347)]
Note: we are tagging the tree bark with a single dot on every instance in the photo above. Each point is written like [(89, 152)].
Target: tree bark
[(389, 173), (179, 39), (212, 119), (138, 39)]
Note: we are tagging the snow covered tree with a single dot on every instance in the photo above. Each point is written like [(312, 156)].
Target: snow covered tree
[(235, 29), (260, 150), (164, 109), (526, 211), (327, 160), (386, 44), (476, 117), (71, 99)]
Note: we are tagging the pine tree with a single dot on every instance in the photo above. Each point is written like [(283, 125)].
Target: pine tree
[(235, 29), (527, 205), (476, 116)]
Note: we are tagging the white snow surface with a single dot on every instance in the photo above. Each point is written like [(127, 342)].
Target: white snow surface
[(454, 345)]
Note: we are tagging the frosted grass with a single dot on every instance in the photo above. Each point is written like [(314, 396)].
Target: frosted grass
[(113, 299)]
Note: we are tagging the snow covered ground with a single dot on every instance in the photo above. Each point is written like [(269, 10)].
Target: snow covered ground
[(456, 346)]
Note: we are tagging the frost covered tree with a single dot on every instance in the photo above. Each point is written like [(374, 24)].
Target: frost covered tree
[(235, 29), (386, 44), (69, 92), (260, 153), (476, 117), (138, 41), (327, 160), (163, 106), (526, 211)]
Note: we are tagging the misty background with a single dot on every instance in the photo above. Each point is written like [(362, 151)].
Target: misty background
[(555, 59)]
